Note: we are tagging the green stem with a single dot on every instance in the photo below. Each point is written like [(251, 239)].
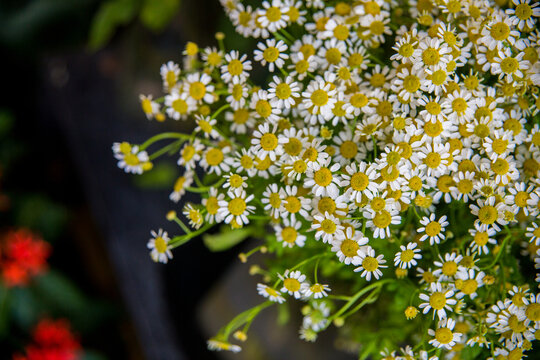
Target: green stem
[(182, 239), (219, 111), (182, 225), (357, 296), (166, 149), (503, 245), (163, 136)]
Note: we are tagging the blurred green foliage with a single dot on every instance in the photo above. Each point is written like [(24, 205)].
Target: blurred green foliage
[(154, 14)]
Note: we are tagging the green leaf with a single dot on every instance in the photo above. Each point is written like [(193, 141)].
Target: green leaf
[(58, 292), (4, 310), (243, 318), (40, 214), (24, 307), (6, 122), (155, 15), (161, 176), (284, 314), (470, 352), (226, 239), (111, 15), (92, 355)]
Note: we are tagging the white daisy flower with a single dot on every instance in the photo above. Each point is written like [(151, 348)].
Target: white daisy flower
[(270, 293), (369, 264), (159, 246), (294, 283), (444, 337), (406, 258), (237, 207), (433, 229)]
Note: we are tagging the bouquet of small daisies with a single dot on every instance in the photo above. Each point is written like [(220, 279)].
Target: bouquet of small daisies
[(387, 164)]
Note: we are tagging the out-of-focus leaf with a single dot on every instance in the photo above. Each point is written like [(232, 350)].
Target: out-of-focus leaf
[(58, 292), (4, 310), (24, 307), (226, 239), (62, 298), (111, 15), (92, 355), (6, 123), (470, 352), (284, 314), (40, 214), (161, 176), (156, 14)]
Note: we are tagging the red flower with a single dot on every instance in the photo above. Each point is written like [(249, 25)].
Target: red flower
[(54, 333), (52, 340), (14, 275), (25, 254)]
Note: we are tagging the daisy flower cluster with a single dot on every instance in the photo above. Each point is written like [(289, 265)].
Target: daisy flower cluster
[(393, 151)]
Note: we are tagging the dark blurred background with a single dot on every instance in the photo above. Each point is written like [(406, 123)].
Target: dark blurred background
[(72, 73)]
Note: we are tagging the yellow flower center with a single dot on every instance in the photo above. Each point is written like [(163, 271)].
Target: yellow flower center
[(212, 205), (292, 285), (273, 14), (437, 300), (406, 50), (333, 56), (487, 214), (283, 91), (465, 186), (500, 166), (293, 147), (370, 263), (319, 97), (269, 142), (237, 206), (533, 312), (355, 60), (415, 183), (180, 106), (328, 226), (523, 11), (289, 234), (433, 228), (382, 219), (407, 255), (131, 159), (214, 157), (411, 83), (469, 286), (341, 32), (326, 204), (444, 335), (500, 31), (235, 67), (241, 116), (263, 108), (432, 160), (431, 56), (292, 204), (521, 198), (160, 245), (270, 54), (349, 248), (515, 325), (323, 177), (509, 65), (433, 129), (348, 149), (236, 180), (197, 90)]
